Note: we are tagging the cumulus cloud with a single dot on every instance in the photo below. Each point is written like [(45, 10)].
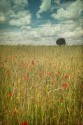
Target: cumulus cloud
[(14, 13), (46, 34), (72, 30), (67, 29), (5, 5), (31, 38), (45, 5), (19, 4), (26, 28), (21, 18), (72, 11), (2, 17), (71, 34), (57, 1)]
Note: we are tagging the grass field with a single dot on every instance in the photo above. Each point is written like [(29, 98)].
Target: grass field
[(41, 85)]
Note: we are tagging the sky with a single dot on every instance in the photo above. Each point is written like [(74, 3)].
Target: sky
[(41, 22)]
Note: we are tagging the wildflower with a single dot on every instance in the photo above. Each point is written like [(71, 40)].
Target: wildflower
[(10, 94), (40, 74), (56, 74), (27, 78), (24, 123), (24, 73), (65, 85), (48, 73), (24, 64), (53, 83), (31, 67), (67, 76), (54, 67)]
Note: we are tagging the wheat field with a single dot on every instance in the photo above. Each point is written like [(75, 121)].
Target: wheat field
[(41, 85)]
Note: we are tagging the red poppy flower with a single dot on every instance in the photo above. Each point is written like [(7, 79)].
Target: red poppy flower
[(24, 73), (65, 85), (53, 83), (10, 94), (27, 78), (24, 64), (67, 76), (48, 73), (31, 67), (24, 123), (54, 67), (56, 74), (40, 74)]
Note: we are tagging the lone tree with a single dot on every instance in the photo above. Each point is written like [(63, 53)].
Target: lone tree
[(60, 41)]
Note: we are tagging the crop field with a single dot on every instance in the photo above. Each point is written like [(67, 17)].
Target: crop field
[(41, 85)]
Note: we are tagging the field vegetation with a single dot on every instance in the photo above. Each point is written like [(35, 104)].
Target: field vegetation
[(41, 85)]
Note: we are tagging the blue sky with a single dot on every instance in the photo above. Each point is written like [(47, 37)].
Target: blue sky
[(40, 21)]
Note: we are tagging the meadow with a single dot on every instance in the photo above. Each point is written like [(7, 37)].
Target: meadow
[(41, 85)]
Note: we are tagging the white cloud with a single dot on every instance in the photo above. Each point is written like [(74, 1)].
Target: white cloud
[(5, 5), (22, 18), (72, 11), (10, 13), (19, 4), (65, 29), (75, 34), (26, 28), (45, 34), (13, 11), (45, 5), (31, 38), (57, 1), (15, 22), (2, 17)]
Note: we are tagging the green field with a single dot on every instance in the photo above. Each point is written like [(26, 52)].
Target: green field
[(41, 85)]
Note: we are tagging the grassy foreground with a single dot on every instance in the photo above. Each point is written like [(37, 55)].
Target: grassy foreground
[(41, 85)]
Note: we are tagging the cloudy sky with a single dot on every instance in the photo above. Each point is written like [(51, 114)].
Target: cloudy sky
[(41, 22)]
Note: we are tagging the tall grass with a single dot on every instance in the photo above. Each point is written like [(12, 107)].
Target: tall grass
[(41, 85)]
